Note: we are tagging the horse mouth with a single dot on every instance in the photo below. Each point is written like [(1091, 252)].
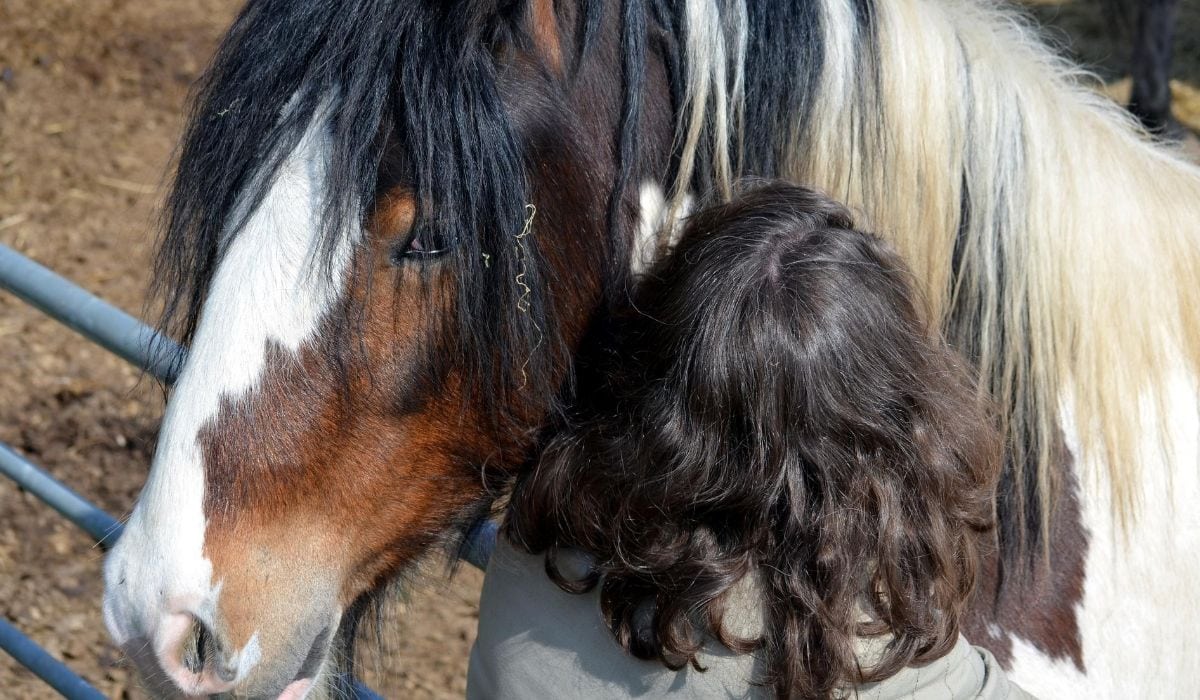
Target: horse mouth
[(304, 684), (315, 658)]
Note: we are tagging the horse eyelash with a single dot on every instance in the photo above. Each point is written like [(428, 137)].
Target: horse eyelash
[(405, 251)]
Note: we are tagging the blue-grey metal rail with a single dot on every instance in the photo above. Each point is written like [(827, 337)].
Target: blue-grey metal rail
[(36, 659), (481, 542), (100, 525), (140, 345), (89, 315)]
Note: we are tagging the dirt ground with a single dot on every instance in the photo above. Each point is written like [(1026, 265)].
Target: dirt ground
[(91, 97)]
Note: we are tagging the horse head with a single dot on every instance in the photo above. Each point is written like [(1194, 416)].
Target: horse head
[(390, 225)]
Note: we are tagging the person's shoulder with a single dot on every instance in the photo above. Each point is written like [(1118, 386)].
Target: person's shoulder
[(537, 641), (965, 672)]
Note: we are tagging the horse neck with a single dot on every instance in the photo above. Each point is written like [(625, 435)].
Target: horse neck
[(1055, 242)]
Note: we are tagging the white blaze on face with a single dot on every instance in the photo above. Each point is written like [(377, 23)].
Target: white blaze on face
[(267, 290)]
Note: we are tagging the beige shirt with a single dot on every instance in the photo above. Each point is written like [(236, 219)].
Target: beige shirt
[(538, 641)]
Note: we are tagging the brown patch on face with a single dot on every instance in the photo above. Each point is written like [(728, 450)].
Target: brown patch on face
[(1038, 604), (393, 217), (274, 581), (545, 33), (346, 462)]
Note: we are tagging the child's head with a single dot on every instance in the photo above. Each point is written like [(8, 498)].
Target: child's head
[(776, 404)]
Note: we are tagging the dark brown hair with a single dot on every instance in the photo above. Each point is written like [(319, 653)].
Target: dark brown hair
[(773, 404)]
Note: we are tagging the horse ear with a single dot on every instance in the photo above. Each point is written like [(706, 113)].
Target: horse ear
[(541, 26), (531, 25)]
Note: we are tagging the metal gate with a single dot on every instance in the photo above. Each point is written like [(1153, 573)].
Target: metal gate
[(137, 343)]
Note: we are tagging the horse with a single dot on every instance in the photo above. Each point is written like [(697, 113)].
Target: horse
[(1150, 61), (392, 223)]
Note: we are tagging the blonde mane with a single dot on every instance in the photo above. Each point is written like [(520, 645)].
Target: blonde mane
[(1057, 244)]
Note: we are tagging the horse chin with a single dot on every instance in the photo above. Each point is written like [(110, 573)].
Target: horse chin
[(329, 680), (328, 675), (298, 689)]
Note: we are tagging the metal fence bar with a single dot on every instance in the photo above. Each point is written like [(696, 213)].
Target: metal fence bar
[(362, 692), (36, 659), (89, 315), (100, 525)]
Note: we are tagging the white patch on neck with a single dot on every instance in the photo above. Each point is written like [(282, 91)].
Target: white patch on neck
[(655, 235), (1140, 611), (268, 289)]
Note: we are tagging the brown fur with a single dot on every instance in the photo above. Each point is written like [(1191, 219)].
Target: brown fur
[(543, 23), (1040, 603), (288, 467)]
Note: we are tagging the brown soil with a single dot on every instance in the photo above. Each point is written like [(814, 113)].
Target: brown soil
[(91, 97)]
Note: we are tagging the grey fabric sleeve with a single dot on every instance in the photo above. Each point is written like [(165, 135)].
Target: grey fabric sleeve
[(538, 641)]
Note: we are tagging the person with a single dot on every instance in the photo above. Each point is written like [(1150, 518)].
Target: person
[(770, 481)]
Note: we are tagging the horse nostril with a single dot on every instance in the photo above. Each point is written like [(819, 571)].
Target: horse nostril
[(201, 650), (195, 652)]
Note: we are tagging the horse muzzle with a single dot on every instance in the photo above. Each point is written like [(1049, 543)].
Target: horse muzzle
[(189, 637)]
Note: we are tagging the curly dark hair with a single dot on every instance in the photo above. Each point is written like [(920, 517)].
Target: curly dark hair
[(773, 405)]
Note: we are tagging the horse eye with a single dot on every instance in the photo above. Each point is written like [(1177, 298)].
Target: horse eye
[(422, 245)]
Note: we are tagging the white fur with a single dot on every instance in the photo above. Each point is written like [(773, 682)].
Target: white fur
[(266, 291), (1140, 607), (659, 225)]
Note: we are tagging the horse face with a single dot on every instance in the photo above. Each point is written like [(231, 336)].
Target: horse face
[(323, 433), (291, 476)]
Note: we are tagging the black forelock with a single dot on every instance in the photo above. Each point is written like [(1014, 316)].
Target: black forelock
[(419, 72)]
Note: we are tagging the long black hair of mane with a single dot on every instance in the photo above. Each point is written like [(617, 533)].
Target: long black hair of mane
[(773, 408)]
